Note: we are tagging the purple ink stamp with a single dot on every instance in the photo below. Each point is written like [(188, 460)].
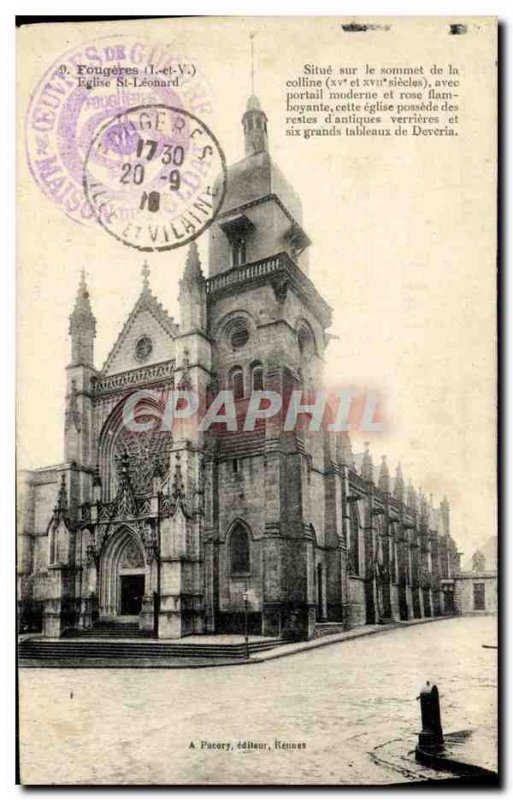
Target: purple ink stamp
[(86, 87), (155, 177)]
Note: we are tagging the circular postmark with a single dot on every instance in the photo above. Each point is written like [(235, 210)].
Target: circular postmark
[(155, 177), (88, 85)]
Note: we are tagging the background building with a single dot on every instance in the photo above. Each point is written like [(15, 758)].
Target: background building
[(475, 586)]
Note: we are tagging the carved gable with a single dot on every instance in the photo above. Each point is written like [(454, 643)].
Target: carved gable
[(146, 338)]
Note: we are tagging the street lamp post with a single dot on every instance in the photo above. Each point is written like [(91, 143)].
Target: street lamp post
[(246, 633)]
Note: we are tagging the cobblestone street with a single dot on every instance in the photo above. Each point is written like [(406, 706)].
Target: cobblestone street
[(343, 700)]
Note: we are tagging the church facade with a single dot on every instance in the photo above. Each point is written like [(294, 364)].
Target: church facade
[(185, 531)]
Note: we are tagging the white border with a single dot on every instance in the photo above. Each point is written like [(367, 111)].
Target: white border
[(501, 8)]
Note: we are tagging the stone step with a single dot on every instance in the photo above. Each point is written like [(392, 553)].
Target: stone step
[(39, 649), (108, 629)]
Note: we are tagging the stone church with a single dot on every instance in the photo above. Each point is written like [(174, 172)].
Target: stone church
[(183, 532)]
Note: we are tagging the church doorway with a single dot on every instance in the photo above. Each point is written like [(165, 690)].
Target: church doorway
[(132, 591), (122, 575)]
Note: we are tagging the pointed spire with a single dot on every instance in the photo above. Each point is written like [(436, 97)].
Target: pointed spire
[(384, 476), (82, 326), (399, 483), (367, 467), (177, 489), (423, 506), (125, 502), (82, 316), (445, 513), (193, 293), (61, 508), (344, 449), (192, 272), (411, 496)]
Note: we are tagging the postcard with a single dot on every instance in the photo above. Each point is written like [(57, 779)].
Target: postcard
[(257, 364)]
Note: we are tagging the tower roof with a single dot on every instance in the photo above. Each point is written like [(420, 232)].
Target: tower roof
[(192, 271), (256, 175), (253, 103), (82, 315)]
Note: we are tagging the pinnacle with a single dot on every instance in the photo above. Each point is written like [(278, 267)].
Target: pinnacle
[(193, 263), (82, 314)]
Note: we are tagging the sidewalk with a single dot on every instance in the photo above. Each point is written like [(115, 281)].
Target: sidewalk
[(355, 633), (185, 662)]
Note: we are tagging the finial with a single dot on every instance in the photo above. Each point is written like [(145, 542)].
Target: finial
[(123, 461), (251, 37), (411, 496), (185, 378), (83, 291), (82, 317), (366, 469), (384, 477), (145, 272), (62, 497), (178, 486), (399, 483)]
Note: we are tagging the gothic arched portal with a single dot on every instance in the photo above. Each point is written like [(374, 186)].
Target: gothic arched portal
[(123, 574)]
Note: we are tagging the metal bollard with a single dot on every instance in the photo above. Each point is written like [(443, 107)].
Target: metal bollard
[(431, 736)]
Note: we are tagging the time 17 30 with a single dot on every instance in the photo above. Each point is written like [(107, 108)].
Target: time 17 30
[(172, 155)]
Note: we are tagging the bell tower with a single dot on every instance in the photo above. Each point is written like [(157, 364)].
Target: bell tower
[(267, 324), (79, 376), (254, 122)]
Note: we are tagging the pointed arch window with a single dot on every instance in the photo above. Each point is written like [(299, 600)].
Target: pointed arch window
[(305, 342), (238, 251), (354, 541), (240, 562), (257, 376), (237, 383), (237, 230)]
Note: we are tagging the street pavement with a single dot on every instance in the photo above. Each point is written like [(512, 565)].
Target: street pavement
[(321, 716)]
